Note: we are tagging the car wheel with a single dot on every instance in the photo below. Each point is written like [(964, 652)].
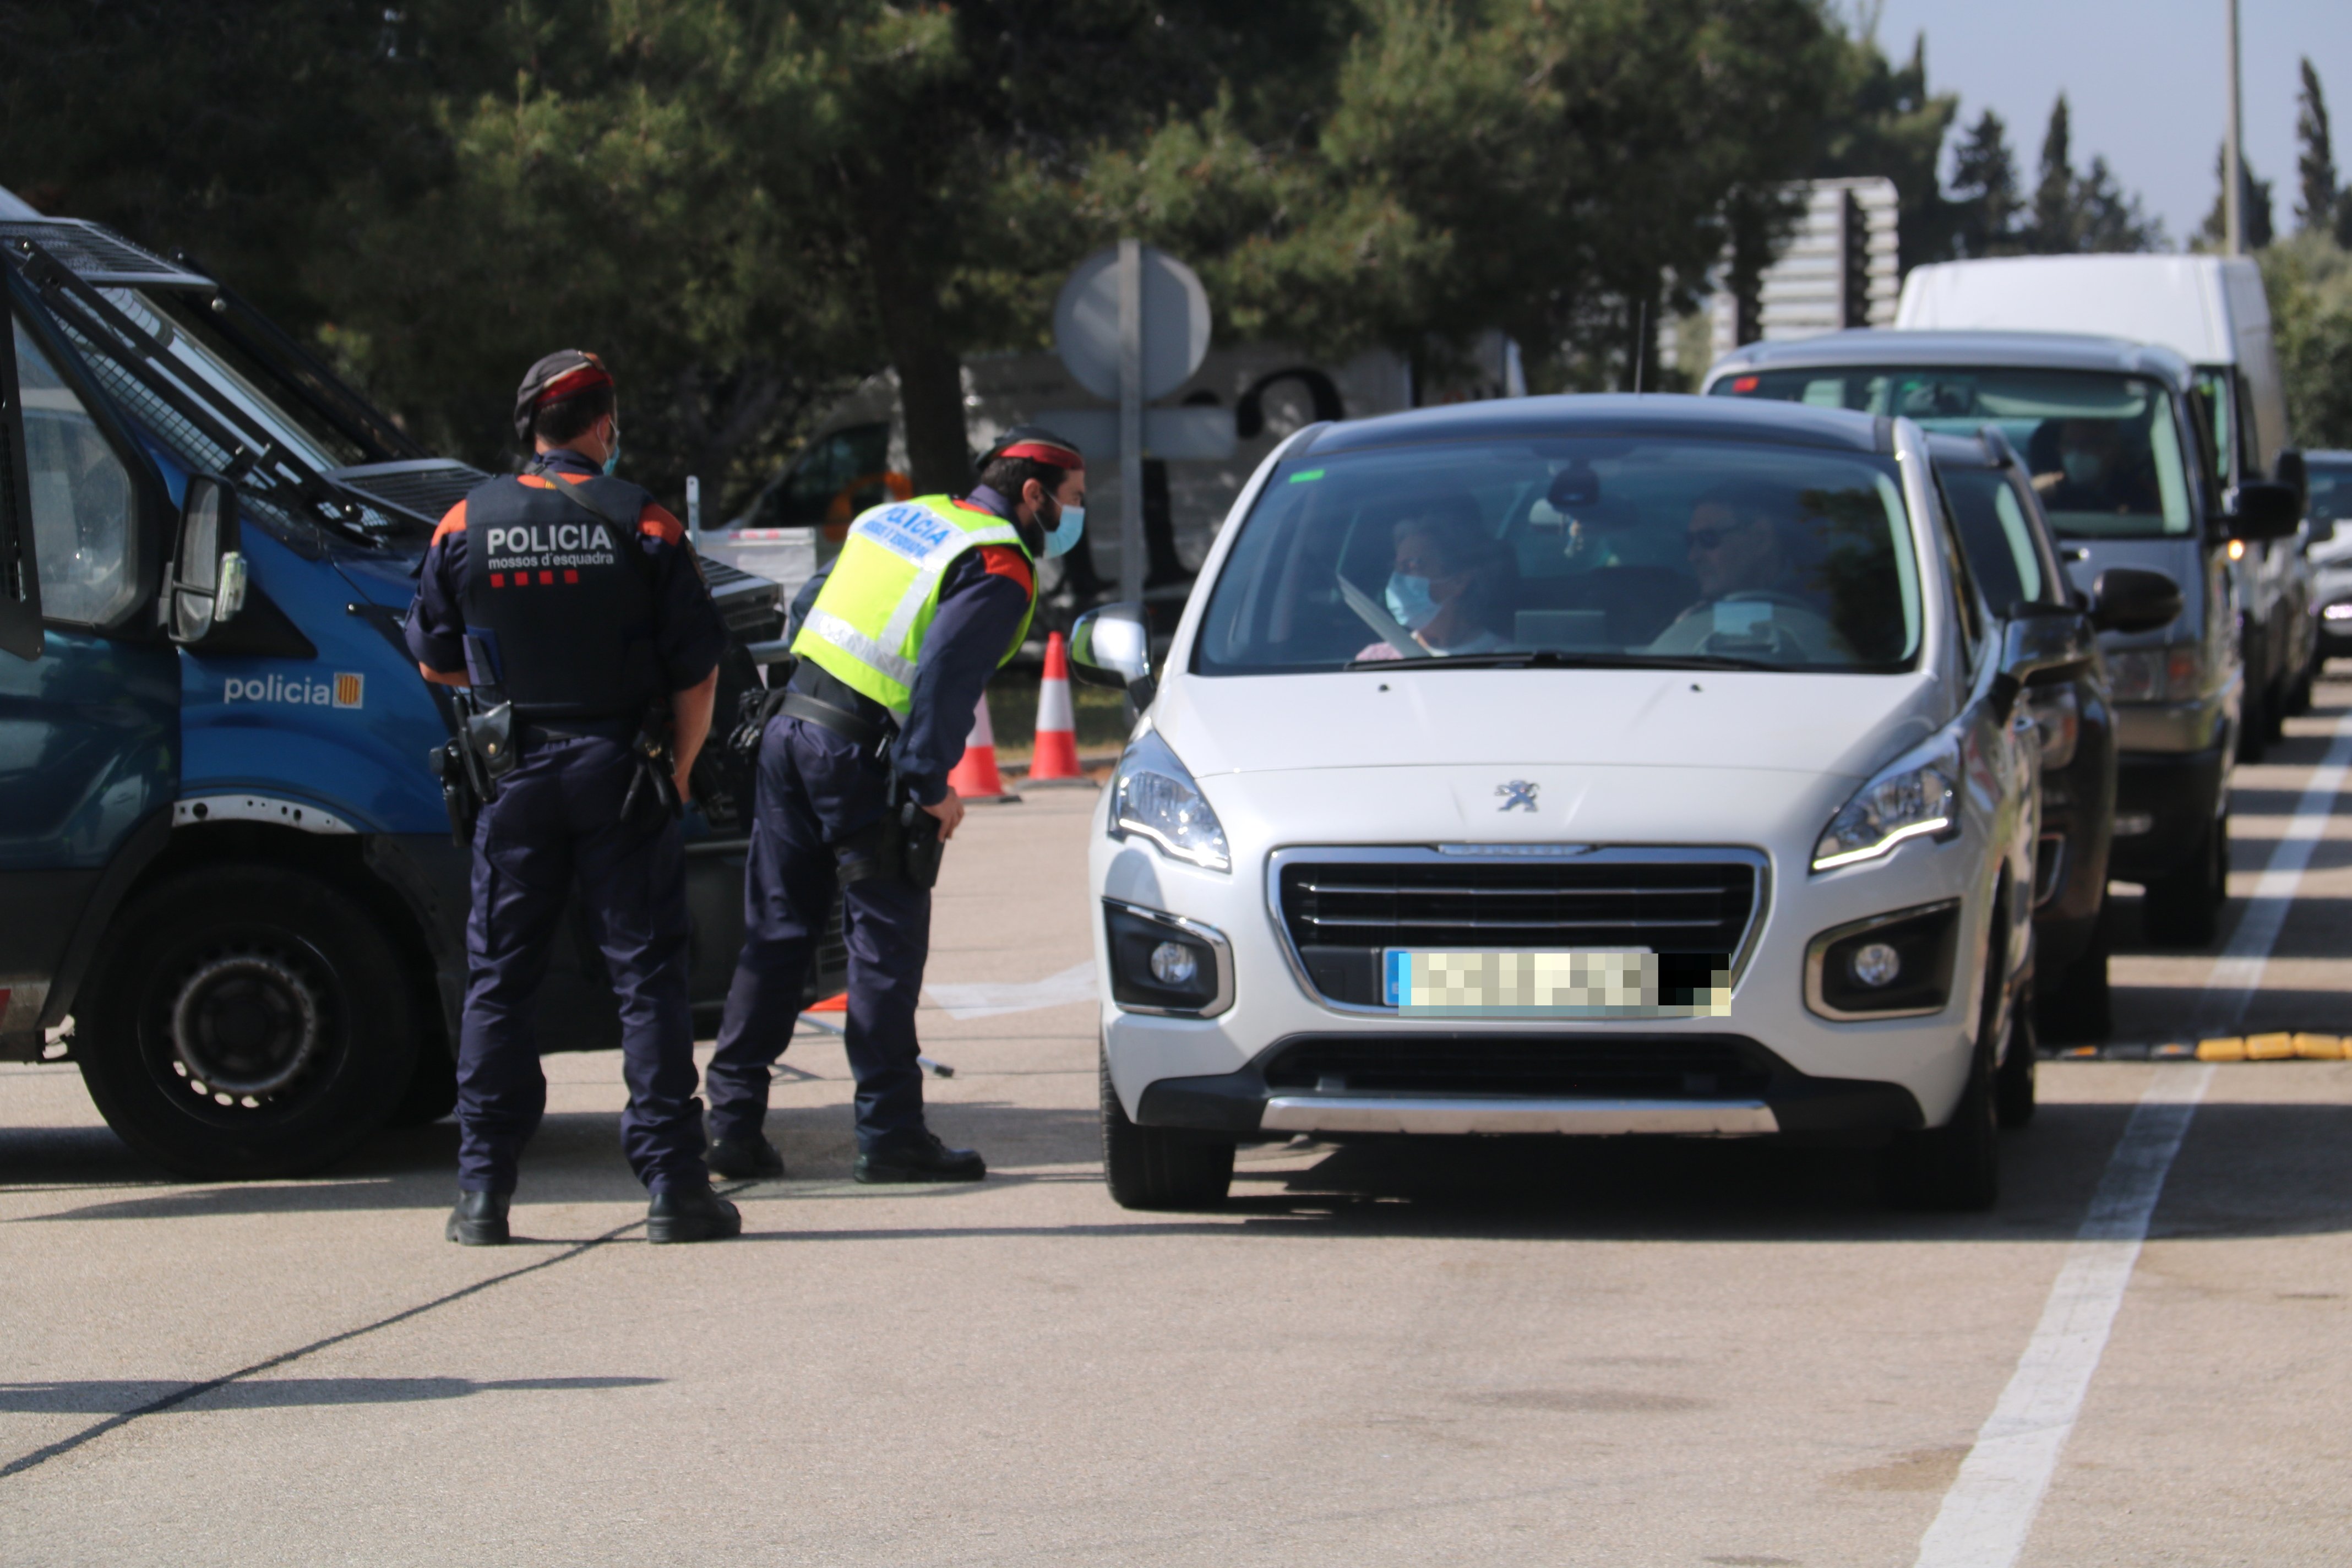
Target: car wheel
[(1161, 1167), (1956, 1166), (2014, 1083), (2184, 908), (248, 1022), (2076, 1008), (2253, 727), (2276, 705)]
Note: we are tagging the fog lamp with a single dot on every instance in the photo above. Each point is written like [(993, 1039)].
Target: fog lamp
[(1875, 965), (1174, 963)]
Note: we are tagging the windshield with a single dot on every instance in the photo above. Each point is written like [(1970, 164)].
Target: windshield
[(205, 355), (2104, 449), (1598, 552), (2331, 491)]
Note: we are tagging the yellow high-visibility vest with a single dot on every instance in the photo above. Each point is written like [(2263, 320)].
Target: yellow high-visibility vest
[(868, 626)]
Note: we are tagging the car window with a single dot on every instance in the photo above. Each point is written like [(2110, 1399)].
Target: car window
[(2104, 449), (1603, 550), (83, 507), (2331, 491), (839, 476), (1995, 535)]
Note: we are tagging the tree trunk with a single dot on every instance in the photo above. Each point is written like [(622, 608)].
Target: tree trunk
[(931, 376)]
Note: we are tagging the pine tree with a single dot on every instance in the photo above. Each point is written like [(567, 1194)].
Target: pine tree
[(2315, 167), (2253, 206), (2055, 229), (1984, 186)]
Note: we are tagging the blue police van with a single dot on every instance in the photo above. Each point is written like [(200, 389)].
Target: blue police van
[(229, 888)]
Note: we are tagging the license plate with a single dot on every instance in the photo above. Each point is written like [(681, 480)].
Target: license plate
[(1612, 983)]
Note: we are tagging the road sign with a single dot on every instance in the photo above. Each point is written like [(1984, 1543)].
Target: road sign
[(1175, 322)]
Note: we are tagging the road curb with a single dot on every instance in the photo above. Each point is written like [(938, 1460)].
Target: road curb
[(2270, 1047)]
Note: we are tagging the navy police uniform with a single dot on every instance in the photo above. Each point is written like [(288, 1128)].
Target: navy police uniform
[(583, 622), (818, 787)]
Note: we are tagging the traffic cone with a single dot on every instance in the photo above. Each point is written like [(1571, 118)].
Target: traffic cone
[(975, 777), (1055, 760)]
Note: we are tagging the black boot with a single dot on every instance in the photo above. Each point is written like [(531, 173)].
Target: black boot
[(921, 1158), (691, 1214), (479, 1220), (744, 1158)]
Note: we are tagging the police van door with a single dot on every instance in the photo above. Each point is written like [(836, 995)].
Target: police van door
[(89, 686)]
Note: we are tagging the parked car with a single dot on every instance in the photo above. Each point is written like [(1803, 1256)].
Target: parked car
[(2211, 310), (2329, 478), (1573, 766), (2116, 443), (2009, 549)]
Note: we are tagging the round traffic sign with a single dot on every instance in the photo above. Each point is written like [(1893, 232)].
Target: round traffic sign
[(1175, 322)]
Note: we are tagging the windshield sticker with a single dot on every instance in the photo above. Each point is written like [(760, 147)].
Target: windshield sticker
[(1309, 478), (346, 690)]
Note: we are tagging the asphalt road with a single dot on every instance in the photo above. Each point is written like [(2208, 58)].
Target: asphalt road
[(1694, 1354)]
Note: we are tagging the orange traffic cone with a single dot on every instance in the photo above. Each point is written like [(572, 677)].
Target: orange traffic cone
[(975, 777), (1056, 759), (836, 1003)]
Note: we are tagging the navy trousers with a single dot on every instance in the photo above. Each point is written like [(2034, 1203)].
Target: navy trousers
[(815, 786), (556, 818)]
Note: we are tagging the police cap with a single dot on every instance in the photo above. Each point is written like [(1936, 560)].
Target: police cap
[(1038, 444), (566, 372)]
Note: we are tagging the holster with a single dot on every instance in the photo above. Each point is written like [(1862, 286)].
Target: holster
[(491, 736), (657, 778), (460, 797)]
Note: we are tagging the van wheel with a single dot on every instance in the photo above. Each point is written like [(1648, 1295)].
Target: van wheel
[(2077, 1008), (2184, 908), (250, 1022), (1162, 1167), (1956, 1166)]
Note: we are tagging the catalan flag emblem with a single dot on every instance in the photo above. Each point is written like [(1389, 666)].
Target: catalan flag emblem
[(348, 689)]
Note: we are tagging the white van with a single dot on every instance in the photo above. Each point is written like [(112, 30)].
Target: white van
[(1573, 766), (1205, 439), (2210, 310)]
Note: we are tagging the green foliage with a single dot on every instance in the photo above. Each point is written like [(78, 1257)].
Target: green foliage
[(2308, 280), (1881, 120), (2254, 205), (1985, 189), (2084, 212)]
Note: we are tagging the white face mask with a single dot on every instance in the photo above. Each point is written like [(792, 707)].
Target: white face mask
[(2084, 468)]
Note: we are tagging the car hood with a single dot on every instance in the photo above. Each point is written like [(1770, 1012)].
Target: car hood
[(1814, 724)]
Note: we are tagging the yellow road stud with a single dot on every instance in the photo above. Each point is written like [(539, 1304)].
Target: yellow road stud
[(2269, 1048), (2172, 1051), (2233, 1049), (2319, 1047)]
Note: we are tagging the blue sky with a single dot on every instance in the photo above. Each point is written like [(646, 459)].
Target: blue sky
[(2145, 80)]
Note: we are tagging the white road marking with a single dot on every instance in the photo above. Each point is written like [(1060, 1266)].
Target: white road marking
[(1986, 1514), (987, 999), (1990, 1508)]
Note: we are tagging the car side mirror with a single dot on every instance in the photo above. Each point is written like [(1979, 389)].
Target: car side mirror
[(2133, 599), (2039, 640), (207, 583), (1112, 647), (2263, 509), (2288, 469)]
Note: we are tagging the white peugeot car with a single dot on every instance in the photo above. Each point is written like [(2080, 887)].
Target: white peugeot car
[(1573, 766)]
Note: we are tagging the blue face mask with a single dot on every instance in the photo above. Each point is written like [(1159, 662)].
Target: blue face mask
[(1410, 602), (1063, 537), (612, 453)]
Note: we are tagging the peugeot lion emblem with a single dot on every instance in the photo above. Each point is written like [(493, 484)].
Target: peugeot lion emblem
[(1516, 794)]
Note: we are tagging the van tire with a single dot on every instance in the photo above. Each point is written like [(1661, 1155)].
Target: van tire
[(2183, 908), (249, 1022), (1161, 1167), (1955, 1167)]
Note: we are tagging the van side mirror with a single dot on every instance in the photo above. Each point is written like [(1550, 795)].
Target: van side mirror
[(207, 582), (2288, 469), (2133, 599), (1112, 647), (2263, 509)]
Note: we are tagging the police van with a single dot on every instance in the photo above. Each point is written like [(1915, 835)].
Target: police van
[(228, 885)]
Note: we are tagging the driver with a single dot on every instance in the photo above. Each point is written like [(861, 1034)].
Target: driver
[(2096, 470), (1754, 594)]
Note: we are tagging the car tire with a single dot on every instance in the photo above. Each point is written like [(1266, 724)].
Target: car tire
[(2015, 1082), (2254, 726), (1955, 1167), (248, 1022), (2076, 1008), (1162, 1167), (2276, 707), (2184, 908)]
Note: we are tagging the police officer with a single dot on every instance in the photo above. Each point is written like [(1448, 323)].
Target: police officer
[(926, 600), (570, 596)]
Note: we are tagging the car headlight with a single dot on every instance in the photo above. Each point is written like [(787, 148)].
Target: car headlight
[(1154, 798), (2155, 674), (1916, 795)]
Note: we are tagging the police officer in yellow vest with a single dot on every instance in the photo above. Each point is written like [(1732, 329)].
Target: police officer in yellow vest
[(927, 599)]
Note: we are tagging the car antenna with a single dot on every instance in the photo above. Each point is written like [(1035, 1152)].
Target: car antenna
[(1641, 346)]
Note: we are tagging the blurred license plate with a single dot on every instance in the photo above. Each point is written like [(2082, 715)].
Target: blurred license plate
[(1452, 982)]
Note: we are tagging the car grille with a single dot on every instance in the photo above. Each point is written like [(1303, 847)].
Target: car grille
[(1636, 1067), (1342, 915)]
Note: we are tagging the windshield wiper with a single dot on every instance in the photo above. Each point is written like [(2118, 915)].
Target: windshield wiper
[(1552, 659)]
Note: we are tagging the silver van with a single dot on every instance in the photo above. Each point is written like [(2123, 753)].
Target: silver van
[(2117, 438)]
